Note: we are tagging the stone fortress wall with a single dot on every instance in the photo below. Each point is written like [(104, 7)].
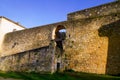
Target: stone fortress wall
[(91, 44), (93, 12), (24, 40), (7, 25)]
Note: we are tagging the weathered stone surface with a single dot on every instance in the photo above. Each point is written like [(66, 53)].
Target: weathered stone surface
[(28, 39), (38, 60), (94, 45), (91, 45), (93, 12)]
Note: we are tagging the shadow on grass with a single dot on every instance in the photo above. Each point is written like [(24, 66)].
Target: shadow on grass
[(57, 76)]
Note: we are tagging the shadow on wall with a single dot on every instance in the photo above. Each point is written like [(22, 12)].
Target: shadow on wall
[(112, 31), (37, 60)]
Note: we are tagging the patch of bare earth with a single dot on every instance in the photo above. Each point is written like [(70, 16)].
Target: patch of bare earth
[(1, 78)]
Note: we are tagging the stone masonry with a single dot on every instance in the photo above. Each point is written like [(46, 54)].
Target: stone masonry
[(91, 44)]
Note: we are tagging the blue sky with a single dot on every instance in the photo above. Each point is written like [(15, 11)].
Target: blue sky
[(31, 13)]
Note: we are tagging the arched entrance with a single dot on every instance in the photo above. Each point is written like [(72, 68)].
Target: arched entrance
[(59, 35)]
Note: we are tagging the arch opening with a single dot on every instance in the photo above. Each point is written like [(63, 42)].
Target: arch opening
[(60, 36)]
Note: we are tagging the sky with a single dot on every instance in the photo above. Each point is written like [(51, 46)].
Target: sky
[(31, 13)]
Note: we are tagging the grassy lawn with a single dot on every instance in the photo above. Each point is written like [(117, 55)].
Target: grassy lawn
[(57, 76)]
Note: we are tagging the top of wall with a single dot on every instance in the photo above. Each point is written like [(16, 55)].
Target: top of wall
[(20, 41), (12, 21), (105, 9), (27, 39)]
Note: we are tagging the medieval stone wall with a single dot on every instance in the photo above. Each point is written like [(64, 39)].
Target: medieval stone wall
[(101, 10), (24, 40), (87, 51), (91, 45), (37, 60)]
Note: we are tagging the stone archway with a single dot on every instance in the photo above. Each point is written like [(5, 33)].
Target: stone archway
[(59, 35), (60, 28)]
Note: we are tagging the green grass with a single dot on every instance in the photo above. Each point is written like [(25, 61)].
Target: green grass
[(57, 76)]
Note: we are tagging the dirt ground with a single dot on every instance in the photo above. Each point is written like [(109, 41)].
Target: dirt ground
[(1, 78)]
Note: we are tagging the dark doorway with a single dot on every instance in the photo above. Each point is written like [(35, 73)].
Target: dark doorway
[(58, 66)]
